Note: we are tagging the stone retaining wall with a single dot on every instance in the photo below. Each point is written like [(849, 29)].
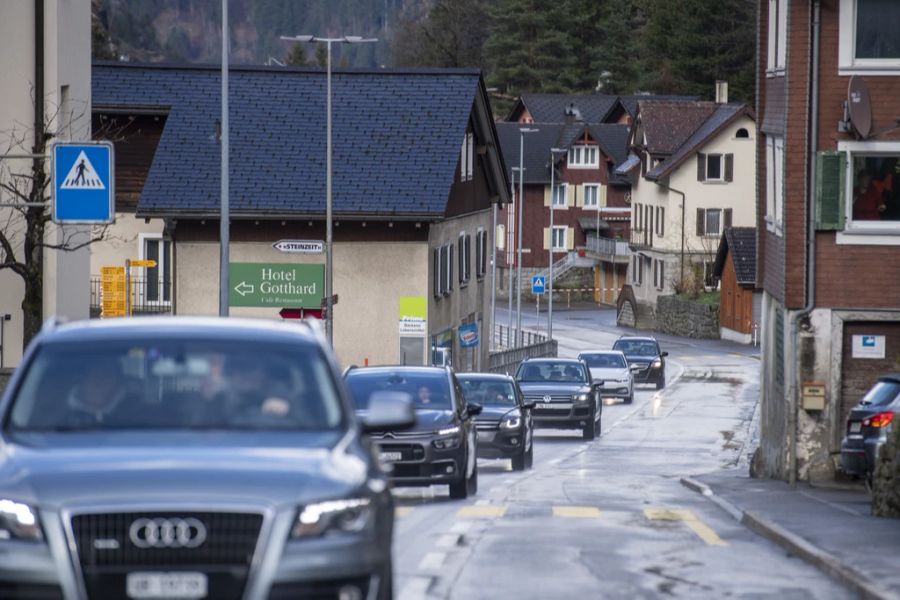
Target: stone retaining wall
[(684, 318)]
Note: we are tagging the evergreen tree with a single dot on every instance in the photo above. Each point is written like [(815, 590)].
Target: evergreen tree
[(451, 33), (621, 25)]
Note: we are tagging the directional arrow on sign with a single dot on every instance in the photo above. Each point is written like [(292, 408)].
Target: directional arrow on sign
[(243, 288)]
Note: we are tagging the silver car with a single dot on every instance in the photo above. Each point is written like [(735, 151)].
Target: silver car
[(190, 458), (611, 367)]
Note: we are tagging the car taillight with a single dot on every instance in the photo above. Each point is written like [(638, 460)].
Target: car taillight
[(879, 420)]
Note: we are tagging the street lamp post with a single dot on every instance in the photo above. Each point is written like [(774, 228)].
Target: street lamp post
[(522, 132), (510, 220), (329, 261), (224, 218), (553, 153)]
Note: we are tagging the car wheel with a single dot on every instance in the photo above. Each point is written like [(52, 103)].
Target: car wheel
[(589, 431), (386, 585), (518, 462), (630, 398), (529, 457), (459, 490), (597, 425), (472, 482), (661, 382)]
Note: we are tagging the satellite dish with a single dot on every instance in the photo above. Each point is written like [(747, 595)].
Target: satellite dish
[(859, 104)]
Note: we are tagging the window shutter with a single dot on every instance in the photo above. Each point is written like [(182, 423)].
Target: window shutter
[(662, 274), (601, 199), (548, 194), (662, 222), (570, 238), (831, 173), (579, 194), (546, 238), (701, 221), (436, 276), (727, 218), (484, 250), (570, 195), (449, 267), (729, 167), (468, 257), (701, 167)]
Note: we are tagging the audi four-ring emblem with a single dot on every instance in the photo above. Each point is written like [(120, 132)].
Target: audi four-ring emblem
[(167, 533)]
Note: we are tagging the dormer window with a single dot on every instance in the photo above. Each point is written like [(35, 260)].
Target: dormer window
[(584, 157)]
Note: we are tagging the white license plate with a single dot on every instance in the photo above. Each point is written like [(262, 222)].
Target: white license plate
[(485, 436), (166, 585), (556, 405), (855, 427), (390, 456)]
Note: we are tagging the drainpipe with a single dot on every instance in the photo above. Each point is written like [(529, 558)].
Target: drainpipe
[(683, 202), (810, 242), (38, 79)]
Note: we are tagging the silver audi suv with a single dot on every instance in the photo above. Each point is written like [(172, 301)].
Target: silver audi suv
[(190, 458)]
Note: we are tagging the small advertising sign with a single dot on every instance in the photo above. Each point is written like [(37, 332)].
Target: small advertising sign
[(468, 335), (868, 346)]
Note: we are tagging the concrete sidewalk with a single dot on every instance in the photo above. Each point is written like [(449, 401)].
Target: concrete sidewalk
[(831, 528)]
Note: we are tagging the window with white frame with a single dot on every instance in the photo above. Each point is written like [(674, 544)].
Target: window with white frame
[(558, 239), (583, 156), (158, 279), (774, 183), (501, 237), (559, 195), (714, 167), (869, 42), (712, 221), (709, 274), (872, 192), (467, 158), (637, 269), (777, 46), (481, 253), (591, 195), (659, 273), (448, 269), (464, 251), (660, 221)]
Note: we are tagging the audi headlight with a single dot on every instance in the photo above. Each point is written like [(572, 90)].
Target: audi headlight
[(583, 397), (352, 515), (511, 422), (18, 522)]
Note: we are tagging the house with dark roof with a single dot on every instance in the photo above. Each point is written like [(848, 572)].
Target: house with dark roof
[(692, 166), (590, 108), (417, 170), (589, 203), (740, 305)]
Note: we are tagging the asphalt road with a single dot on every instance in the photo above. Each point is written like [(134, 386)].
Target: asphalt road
[(609, 518)]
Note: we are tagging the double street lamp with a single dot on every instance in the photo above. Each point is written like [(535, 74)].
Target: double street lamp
[(329, 263), (522, 132), (553, 153)]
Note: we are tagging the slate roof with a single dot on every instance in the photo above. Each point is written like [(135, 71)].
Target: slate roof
[(667, 125), (397, 137), (722, 115), (630, 103), (551, 108), (611, 138), (742, 243)]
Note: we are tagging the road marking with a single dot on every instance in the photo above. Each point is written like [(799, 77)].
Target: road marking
[(703, 531), (432, 561), (576, 512), (402, 511), (449, 540), (416, 589), (461, 527), (481, 511)]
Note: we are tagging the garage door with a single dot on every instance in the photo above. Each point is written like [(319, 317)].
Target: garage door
[(858, 374)]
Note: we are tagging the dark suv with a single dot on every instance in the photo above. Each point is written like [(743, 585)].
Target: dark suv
[(563, 394), (868, 426), (505, 426), (442, 447), (190, 458), (647, 362)]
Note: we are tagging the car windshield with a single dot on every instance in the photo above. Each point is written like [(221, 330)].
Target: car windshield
[(637, 347), (881, 394), (166, 384), (552, 372), (429, 390), (488, 391), (604, 361)]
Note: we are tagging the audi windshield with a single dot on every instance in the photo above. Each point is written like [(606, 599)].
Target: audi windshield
[(157, 384)]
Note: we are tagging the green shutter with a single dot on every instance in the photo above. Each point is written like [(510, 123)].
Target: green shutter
[(831, 173)]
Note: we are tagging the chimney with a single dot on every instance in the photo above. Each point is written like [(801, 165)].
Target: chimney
[(721, 92)]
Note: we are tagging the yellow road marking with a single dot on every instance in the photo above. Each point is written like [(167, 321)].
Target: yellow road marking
[(576, 512), (484, 511), (402, 511), (703, 531)]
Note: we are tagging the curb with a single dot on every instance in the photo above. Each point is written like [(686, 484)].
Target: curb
[(822, 560)]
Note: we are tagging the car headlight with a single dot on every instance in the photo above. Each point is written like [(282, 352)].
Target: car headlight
[(352, 515), (657, 363), (449, 438), (582, 397), (18, 522), (448, 430), (511, 422)]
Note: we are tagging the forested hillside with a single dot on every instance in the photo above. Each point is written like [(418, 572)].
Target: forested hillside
[(614, 46)]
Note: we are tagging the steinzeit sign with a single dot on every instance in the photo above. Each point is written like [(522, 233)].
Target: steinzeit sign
[(300, 246), (276, 284)]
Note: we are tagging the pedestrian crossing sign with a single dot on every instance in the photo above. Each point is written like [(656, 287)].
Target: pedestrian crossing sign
[(83, 183)]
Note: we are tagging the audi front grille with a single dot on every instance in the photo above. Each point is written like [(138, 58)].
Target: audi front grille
[(219, 544)]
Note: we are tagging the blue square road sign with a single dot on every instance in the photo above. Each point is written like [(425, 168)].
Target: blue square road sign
[(538, 284), (83, 176)]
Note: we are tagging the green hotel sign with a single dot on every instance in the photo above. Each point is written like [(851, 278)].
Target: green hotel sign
[(283, 285)]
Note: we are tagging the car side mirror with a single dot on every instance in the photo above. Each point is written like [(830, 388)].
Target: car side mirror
[(597, 386), (473, 409), (529, 405), (663, 353), (389, 411)]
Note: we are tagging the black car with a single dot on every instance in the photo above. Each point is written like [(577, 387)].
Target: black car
[(563, 394), (505, 426), (442, 447), (647, 362), (868, 426), (190, 457)]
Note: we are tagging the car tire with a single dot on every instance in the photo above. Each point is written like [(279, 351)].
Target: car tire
[(589, 431), (529, 456), (630, 398), (661, 382), (598, 425), (386, 585), (459, 490), (472, 482), (519, 462)]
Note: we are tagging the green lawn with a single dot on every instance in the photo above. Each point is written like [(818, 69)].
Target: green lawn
[(711, 298)]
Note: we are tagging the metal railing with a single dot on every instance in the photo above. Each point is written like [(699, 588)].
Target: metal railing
[(640, 237), (607, 246), (505, 337), (507, 361), (149, 296)]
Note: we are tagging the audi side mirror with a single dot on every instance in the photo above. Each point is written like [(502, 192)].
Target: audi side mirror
[(389, 410)]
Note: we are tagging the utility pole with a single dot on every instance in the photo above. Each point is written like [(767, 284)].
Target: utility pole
[(553, 152), (522, 132), (224, 218)]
